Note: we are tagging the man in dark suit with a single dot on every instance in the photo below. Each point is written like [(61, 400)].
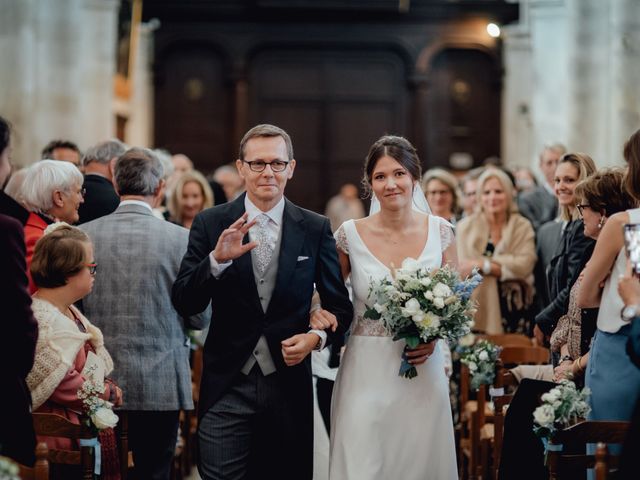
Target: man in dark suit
[(540, 205), (257, 259), (19, 330), (100, 197)]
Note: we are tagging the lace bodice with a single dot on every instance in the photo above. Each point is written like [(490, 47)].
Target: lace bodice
[(365, 267)]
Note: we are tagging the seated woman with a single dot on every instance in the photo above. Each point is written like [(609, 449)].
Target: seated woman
[(499, 242), (63, 270), (51, 191), (192, 194)]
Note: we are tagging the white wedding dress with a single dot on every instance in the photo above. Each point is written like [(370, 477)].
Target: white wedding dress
[(384, 426)]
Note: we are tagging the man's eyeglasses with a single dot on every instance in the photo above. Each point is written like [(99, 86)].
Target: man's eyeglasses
[(259, 165), (581, 208), (92, 267)]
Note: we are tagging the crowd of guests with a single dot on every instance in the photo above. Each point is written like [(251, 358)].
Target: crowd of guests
[(89, 273)]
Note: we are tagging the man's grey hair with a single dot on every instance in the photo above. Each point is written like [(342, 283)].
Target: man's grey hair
[(138, 172), (45, 177), (557, 147), (104, 152)]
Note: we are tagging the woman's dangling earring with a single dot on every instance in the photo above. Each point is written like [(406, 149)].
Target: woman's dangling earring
[(601, 222)]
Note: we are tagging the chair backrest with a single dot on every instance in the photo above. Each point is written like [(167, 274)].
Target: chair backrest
[(562, 465), (40, 471), (53, 425), (524, 355), (509, 340)]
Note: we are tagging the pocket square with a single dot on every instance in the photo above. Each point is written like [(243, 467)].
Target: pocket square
[(302, 258)]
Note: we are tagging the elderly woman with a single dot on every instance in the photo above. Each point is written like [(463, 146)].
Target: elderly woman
[(441, 189), (191, 195), (499, 242), (51, 191), (63, 269), (574, 248)]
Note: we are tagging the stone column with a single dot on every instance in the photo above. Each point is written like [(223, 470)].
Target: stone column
[(588, 87), (139, 129), (97, 58), (624, 95)]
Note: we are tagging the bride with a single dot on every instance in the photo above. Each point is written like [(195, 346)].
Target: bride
[(385, 426)]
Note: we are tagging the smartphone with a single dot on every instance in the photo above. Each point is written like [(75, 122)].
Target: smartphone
[(632, 245)]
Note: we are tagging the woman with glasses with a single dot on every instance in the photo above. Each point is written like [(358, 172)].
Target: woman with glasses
[(63, 271), (52, 191), (441, 189), (574, 248), (613, 379)]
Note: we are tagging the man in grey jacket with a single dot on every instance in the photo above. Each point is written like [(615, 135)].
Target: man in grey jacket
[(138, 259)]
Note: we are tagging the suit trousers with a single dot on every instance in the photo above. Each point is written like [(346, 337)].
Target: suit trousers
[(250, 433), (152, 439)]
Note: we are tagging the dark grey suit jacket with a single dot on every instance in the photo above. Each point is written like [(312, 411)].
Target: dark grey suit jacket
[(539, 206), (138, 259)]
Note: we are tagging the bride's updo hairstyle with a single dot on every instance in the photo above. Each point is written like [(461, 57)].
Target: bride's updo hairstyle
[(58, 255), (398, 148)]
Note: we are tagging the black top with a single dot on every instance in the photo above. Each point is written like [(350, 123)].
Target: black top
[(11, 208), (571, 256), (100, 198)]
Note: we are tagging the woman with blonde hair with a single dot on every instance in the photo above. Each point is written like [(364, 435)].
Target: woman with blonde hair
[(191, 195), (499, 242), (567, 261), (442, 192)]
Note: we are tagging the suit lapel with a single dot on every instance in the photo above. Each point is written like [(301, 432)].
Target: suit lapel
[(292, 238), (243, 265)]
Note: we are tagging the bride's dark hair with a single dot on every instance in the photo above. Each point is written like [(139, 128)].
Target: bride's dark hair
[(398, 148)]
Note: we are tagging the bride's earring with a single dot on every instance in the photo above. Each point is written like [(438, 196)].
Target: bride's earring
[(601, 222)]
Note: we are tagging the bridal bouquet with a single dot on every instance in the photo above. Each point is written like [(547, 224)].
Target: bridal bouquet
[(99, 412), (562, 406), (8, 470), (481, 360), (420, 305)]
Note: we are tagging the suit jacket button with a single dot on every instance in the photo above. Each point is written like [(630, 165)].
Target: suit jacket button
[(261, 280), (256, 352)]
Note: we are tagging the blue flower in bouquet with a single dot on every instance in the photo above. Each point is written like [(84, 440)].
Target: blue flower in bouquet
[(465, 288)]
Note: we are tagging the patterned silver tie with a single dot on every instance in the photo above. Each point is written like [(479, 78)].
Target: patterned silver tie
[(264, 250)]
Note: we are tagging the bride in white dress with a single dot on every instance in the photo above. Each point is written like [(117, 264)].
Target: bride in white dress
[(384, 426)]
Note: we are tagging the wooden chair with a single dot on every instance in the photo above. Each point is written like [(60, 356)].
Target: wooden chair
[(477, 427), (491, 436), (40, 471), (566, 466), (53, 425)]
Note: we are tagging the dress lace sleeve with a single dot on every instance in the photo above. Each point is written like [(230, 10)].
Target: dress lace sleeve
[(341, 240), (446, 235)]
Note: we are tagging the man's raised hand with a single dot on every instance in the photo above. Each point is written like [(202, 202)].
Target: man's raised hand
[(229, 246)]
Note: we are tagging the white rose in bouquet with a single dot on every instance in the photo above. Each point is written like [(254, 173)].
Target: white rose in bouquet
[(426, 281), (438, 302), (472, 366), (428, 295), (410, 266), (441, 290), (104, 418), (483, 356), (544, 416), (411, 308)]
